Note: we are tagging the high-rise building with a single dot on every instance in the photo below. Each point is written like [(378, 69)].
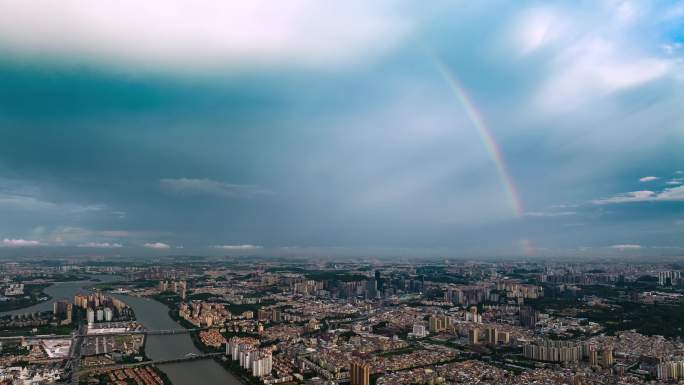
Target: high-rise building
[(672, 370), (433, 324), (419, 331), (90, 316), (593, 356), (371, 288), (381, 283), (492, 336), (553, 351), (607, 357), (474, 336), (63, 310), (263, 314), (262, 364), (108, 314), (60, 307), (669, 278), (438, 323), (81, 301), (505, 337), (359, 373), (183, 290), (472, 316), (528, 317), (69, 314)]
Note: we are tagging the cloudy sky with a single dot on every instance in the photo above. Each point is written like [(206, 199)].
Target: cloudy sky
[(454, 128)]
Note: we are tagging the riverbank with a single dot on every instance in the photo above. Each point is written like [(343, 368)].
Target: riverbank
[(154, 316), (54, 291), (173, 306), (64, 330), (36, 294), (236, 370), (232, 367)]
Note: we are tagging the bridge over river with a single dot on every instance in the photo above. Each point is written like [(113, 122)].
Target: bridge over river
[(163, 332), (189, 357)]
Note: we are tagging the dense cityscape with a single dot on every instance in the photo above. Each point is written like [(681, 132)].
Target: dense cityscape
[(321, 192), (355, 322)]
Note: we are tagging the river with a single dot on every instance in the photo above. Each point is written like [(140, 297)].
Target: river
[(62, 290), (154, 315)]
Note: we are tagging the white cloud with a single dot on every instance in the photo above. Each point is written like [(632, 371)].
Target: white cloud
[(191, 186), (648, 179), (671, 49), (593, 68), (634, 196), (669, 194), (672, 194), (157, 245), (626, 247), (86, 238), (101, 245), (674, 182), (19, 243), (203, 33), (236, 247), (623, 10), (25, 203), (31, 196), (550, 213), (536, 28), (590, 54)]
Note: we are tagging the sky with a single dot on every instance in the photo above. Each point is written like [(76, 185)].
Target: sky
[(306, 127)]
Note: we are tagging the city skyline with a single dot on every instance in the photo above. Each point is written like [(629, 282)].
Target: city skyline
[(342, 129)]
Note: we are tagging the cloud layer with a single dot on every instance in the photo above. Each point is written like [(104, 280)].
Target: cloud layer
[(236, 247), (204, 35), (19, 242), (674, 194), (101, 245), (189, 186), (157, 245), (141, 126), (626, 247)]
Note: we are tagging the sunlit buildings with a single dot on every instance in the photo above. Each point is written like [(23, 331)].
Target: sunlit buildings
[(359, 373)]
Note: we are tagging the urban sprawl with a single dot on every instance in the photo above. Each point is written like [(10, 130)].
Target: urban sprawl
[(357, 322)]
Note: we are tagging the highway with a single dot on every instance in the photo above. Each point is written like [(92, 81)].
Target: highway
[(74, 362)]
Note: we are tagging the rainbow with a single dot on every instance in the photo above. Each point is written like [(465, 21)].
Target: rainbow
[(485, 133)]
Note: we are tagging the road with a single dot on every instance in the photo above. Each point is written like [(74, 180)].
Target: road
[(74, 362), (190, 357), (82, 333), (78, 339)]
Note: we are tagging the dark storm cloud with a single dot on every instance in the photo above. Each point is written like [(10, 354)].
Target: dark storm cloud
[(281, 143)]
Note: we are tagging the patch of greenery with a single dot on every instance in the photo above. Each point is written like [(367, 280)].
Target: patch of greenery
[(45, 329), (397, 352), (340, 276), (657, 319), (202, 296)]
